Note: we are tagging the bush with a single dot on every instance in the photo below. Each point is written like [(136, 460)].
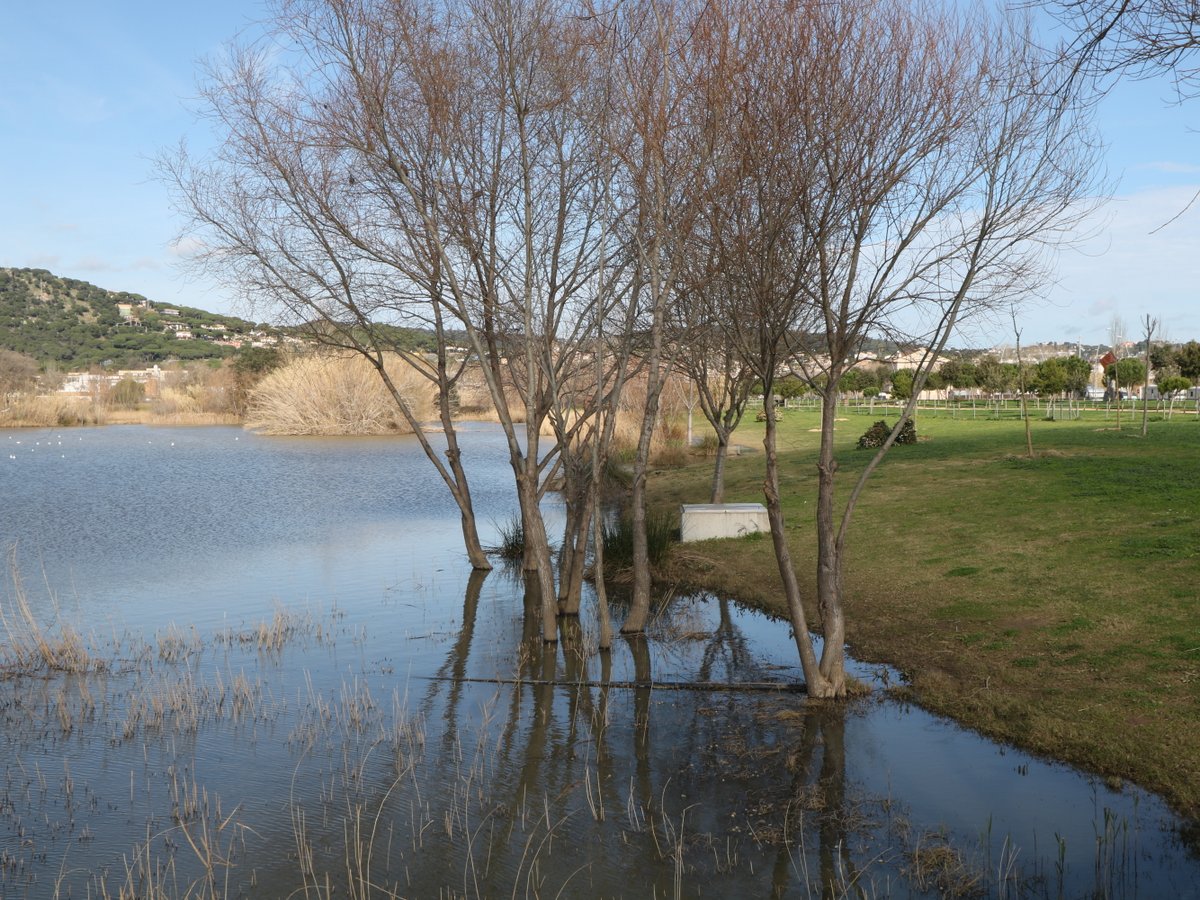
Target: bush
[(875, 436)]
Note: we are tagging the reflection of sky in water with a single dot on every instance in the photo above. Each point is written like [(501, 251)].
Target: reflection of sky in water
[(136, 527)]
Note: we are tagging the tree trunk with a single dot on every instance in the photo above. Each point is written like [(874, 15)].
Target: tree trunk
[(815, 681), (829, 564), (639, 607), (462, 496), (537, 549), (570, 578), (718, 479), (606, 633)]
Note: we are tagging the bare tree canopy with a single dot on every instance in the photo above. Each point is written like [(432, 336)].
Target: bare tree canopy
[(581, 190), (1137, 37), (895, 170)]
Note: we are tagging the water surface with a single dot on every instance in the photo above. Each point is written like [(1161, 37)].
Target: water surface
[(301, 687)]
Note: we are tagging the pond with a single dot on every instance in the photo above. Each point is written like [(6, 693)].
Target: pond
[(275, 675)]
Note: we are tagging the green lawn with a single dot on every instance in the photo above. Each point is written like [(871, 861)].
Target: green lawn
[(1053, 602)]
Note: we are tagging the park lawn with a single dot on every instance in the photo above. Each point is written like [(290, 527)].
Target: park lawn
[(1052, 602)]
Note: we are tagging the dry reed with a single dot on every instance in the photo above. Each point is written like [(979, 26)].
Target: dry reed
[(336, 395), (31, 646), (52, 410)]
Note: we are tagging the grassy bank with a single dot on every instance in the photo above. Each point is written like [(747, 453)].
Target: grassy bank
[(1049, 602)]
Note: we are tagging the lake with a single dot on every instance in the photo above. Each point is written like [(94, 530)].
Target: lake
[(277, 676)]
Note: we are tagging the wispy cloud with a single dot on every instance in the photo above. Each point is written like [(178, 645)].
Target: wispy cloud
[(186, 248), (95, 264), (1141, 259), (1169, 168)]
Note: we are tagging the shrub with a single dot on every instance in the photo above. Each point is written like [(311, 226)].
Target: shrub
[(875, 436)]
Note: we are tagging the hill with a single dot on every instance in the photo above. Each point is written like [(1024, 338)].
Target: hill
[(75, 325)]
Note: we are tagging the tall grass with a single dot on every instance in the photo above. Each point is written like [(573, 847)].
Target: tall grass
[(51, 411), (618, 540), (336, 395)]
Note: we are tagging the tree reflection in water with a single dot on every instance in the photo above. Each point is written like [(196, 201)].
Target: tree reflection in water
[(590, 782)]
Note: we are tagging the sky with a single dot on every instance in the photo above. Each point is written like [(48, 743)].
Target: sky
[(91, 93)]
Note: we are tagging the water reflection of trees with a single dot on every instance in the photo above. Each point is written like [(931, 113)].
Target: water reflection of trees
[(594, 784)]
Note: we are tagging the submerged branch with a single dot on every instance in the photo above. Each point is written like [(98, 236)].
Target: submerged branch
[(777, 686)]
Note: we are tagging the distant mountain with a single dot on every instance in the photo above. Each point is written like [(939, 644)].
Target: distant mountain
[(76, 325)]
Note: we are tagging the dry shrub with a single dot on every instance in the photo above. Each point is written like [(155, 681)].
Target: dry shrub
[(336, 395), (51, 411)]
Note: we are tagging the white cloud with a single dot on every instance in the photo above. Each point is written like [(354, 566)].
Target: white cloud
[(1141, 257), (186, 248)]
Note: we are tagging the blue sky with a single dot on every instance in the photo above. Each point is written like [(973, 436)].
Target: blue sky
[(91, 92)]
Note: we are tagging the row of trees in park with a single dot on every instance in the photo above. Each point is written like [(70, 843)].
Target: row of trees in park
[(1060, 376), (589, 193)]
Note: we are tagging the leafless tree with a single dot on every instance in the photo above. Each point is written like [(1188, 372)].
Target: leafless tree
[(397, 161), (1022, 388), (668, 77), (1149, 325), (716, 371), (288, 217), (1140, 37), (938, 169)]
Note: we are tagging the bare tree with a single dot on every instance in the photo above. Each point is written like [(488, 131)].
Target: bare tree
[(939, 169), (1140, 37), (436, 163), (1116, 340), (286, 218), (668, 77), (1149, 325), (1022, 388), (716, 371)]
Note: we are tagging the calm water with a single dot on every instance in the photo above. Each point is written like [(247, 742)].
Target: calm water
[(296, 688)]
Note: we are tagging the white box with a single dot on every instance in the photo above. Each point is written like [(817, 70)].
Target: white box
[(704, 521)]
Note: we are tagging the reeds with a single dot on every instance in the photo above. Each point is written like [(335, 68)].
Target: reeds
[(336, 395), (511, 545), (52, 410), (32, 646)]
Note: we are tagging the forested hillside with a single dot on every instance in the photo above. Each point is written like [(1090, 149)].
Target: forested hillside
[(76, 325)]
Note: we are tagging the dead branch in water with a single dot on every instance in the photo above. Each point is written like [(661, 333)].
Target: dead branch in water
[(773, 686)]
